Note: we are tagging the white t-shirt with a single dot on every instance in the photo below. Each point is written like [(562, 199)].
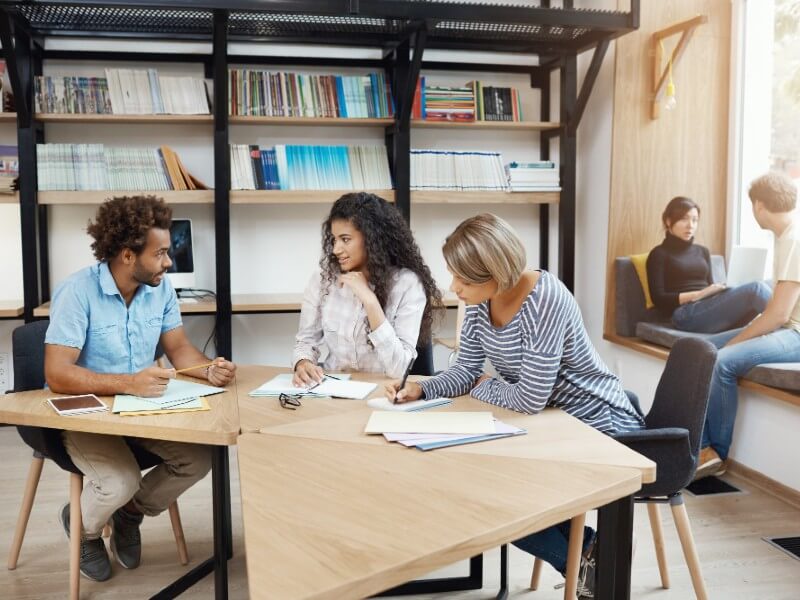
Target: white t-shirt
[(787, 265)]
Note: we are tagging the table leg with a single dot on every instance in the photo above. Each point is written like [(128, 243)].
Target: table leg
[(614, 534), (220, 482), (474, 581), (503, 593)]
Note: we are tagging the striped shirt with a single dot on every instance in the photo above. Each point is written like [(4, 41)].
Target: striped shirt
[(544, 357)]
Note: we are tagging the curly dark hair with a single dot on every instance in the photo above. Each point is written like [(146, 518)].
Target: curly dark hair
[(389, 245), (123, 222)]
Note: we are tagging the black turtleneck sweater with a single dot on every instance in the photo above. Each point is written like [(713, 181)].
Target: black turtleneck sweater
[(674, 267)]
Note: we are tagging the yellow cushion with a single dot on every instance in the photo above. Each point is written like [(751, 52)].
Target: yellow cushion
[(640, 264)]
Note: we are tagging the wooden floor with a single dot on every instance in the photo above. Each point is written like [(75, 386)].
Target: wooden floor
[(728, 530)]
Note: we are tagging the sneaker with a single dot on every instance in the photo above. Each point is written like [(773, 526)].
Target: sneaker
[(587, 575), (126, 541), (94, 561), (709, 463)]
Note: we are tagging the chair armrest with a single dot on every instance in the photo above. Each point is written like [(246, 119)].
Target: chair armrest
[(652, 435)]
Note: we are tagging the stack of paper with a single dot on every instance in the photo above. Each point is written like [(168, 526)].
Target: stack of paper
[(180, 396), (333, 386), (428, 431)]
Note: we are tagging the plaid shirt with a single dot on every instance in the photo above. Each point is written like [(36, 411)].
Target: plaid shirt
[(333, 325)]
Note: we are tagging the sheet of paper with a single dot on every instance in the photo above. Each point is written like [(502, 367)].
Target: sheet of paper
[(412, 439), (194, 405), (177, 392), (383, 403), (430, 422), (355, 390), (282, 384)]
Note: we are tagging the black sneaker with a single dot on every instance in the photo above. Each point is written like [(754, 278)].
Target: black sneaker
[(94, 562), (126, 540), (587, 575)]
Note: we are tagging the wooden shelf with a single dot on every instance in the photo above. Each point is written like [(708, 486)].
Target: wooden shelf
[(298, 196), (505, 125), (10, 309), (437, 197), (100, 196), (8, 117), (205, 306), (117, 119), (259, 303), (9, 198), (310, 121)]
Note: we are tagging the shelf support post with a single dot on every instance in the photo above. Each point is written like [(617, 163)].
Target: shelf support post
[(222, 184)]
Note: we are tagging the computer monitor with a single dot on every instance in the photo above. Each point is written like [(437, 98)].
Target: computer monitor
[(181, 273)]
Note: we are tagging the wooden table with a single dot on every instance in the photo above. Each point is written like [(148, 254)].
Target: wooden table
[(344, 493), (218, 428)]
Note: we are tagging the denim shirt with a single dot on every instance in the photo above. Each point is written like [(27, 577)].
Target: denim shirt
[(88, 312)]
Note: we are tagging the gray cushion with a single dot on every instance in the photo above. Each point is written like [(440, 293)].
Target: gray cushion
[(663, 334), (780, 375)]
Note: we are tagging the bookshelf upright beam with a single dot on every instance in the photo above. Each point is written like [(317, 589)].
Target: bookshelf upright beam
[(568, 152)]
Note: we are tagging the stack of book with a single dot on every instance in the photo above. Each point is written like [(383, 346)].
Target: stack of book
[(457, 170), (538, 176), (472, 102), (440, 103), (9, 169), (267, 94), (122, 92), (290, 167), (80, 167)]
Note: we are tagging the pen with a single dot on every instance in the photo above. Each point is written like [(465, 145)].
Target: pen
[(323, 379), (405, 376), (195, 367)]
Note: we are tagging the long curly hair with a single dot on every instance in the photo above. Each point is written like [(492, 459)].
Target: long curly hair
[(123, 222), (389, 245)]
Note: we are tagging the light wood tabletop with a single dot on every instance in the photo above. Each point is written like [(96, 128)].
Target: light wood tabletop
[(327, 519), (218, 426), (552, 435)]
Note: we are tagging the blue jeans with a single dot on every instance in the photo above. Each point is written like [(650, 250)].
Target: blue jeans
[(780, 346), (731, 308), (551, 544)]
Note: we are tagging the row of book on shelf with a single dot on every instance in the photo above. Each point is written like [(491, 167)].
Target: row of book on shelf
[(122, 92), (295, 167), (9, 169), (282, 167), (267, 94), (82, 167), (471, 102)]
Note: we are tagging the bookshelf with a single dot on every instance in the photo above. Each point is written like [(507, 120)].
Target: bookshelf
[(9, 198), (401, 30), (8, 117), (100, 196), (11, 309)]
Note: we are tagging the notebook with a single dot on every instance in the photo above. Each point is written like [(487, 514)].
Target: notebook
[(385, 421), (179, 393), (746, 264), (383, 403), (282, 384)]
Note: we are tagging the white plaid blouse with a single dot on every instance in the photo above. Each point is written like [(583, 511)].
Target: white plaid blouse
[(334, 327)]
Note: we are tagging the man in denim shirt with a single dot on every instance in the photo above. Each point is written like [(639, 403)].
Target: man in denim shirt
[(105, 324)]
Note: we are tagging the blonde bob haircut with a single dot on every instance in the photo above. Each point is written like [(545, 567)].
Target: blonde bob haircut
[(485, 247)]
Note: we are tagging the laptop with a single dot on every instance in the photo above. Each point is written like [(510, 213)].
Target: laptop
[(746, 264)]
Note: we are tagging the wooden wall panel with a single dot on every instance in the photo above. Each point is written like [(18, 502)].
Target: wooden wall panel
[(684, 151)]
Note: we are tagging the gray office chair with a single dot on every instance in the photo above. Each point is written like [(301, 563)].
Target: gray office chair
[(28, 351), (671, 439)]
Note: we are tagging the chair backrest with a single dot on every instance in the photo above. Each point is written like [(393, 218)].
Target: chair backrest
[(423, 365), (629, 302), (681, 397), (27, 349)]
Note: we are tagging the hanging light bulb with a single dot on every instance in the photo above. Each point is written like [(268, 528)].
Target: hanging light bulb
[(670, 102)]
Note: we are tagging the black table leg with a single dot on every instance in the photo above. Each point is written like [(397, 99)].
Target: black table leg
[(220, 483), (614, 534), (446, 584), (503, 593)]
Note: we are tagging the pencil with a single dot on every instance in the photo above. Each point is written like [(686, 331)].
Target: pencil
[(195, 367)]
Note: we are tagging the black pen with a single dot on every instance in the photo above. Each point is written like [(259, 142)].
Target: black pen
[(403, 381), (321, 380)]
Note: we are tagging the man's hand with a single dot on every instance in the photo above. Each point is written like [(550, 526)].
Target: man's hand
[(151, 382), (221, 373), (306, 373), (411, 391)]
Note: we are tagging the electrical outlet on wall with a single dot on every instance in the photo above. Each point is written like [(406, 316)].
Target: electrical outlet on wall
[(4, 377)]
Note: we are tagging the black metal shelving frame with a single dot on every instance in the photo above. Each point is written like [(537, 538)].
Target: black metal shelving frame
[(403, 30)]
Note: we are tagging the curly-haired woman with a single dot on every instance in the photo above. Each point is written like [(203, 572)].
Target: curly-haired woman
[(372, 300)]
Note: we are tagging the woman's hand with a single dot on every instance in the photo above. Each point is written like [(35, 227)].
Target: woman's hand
[(306, 373), (356, 281), (480, 380), (411, 391), (711, 290)]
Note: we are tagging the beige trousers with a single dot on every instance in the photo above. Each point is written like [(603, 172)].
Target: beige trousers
[(115, 478)]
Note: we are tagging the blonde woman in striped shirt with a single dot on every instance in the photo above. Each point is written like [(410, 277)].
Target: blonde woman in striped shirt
[(530, 328)]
